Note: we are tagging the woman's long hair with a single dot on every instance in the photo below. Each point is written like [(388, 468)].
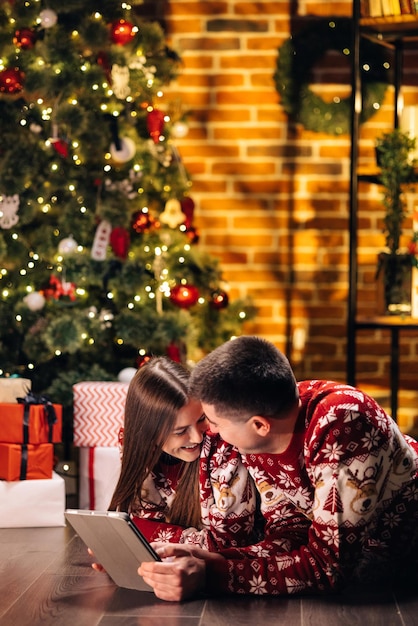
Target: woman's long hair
[(155, 395)]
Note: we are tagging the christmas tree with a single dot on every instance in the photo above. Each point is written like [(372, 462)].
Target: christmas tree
[(99, 262)]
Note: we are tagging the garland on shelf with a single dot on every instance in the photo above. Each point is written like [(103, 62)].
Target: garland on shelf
[(299, 54)]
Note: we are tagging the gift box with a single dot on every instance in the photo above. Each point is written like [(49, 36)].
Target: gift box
[(98, 470), (26, 462), (31, 503), (30, 423), (98, 412), (13, 388)]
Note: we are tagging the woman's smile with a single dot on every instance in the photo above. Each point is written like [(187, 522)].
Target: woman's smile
[(186, 438)]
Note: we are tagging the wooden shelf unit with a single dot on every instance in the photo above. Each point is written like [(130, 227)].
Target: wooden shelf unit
[(393, 32)]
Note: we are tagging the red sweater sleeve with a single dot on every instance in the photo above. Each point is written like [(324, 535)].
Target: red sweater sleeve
[(157, 530)]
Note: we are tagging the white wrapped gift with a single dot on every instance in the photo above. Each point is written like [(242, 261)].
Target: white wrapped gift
[(98, 412), (98, 469), (13, 388), (32, 503)]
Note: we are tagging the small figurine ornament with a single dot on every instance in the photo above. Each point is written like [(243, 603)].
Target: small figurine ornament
[(9, 206), (172, 215), (120, 81)]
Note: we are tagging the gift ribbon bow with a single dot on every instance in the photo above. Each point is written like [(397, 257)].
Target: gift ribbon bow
[(49, 411)]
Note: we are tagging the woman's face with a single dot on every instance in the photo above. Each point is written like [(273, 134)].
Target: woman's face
[(187, 434)]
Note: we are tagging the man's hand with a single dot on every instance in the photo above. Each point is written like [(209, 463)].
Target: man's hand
[(181, 574)]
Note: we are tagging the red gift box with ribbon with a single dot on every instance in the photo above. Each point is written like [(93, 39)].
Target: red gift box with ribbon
[(26, 461), (33, 420)]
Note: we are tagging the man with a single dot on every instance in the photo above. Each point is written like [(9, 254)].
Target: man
[(338, 482)]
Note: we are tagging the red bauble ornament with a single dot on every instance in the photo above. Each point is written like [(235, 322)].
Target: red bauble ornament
[(143, 222), (220, 299), (143, 359), (24, 38), (11, 80), (155, 124), (122, 32), (187, 206), (119, 241), (184, 296), (193, 234)]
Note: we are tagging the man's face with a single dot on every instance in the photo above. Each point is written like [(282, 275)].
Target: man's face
[(242, 435)]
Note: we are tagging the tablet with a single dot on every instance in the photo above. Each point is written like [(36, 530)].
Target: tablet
[(116, 542)]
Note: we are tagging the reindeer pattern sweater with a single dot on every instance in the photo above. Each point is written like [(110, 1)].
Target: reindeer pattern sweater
[(341, 502), (227, 499)]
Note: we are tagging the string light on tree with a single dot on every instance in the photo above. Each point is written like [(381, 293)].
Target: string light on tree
[(83, 117)]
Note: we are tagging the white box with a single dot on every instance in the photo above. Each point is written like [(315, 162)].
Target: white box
[(32, 503), (99, 469)]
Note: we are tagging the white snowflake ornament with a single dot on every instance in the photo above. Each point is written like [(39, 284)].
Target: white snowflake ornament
[(9, 206)]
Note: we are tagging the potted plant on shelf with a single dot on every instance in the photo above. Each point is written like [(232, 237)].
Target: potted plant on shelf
[(393, 151)]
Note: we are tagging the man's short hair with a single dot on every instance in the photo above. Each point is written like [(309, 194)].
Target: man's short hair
[(244, 377)]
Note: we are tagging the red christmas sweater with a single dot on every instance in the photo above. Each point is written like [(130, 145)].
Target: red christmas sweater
[(227, 498), (340, 503)]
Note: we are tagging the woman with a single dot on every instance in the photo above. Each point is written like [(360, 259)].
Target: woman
[(177, 481)]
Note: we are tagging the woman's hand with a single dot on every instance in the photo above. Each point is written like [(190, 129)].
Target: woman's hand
[(96, 566), (181, 574)]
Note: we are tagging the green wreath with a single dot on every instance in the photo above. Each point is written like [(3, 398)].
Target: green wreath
[(298, 55)]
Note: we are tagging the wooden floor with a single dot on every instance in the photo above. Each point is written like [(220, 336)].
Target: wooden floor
[(46, 578)]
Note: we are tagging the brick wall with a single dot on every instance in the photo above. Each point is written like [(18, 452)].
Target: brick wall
[(272, 198)]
